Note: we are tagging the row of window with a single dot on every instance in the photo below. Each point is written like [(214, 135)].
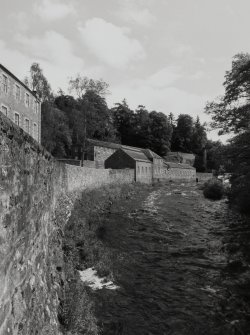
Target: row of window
[(144, 169), (27, 124), (17, 94)]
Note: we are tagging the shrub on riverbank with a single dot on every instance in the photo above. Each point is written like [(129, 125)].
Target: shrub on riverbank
[(213, 189), (240, 193)]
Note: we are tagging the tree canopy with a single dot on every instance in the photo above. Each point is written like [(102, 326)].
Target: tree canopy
[(39, 83), (231, 112)]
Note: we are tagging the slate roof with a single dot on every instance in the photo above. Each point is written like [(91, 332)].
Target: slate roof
[(145, 152), (104, 144), (136, 154), (150, 154)]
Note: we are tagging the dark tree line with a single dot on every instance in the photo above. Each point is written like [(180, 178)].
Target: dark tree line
[(70, 119), (231, 113)]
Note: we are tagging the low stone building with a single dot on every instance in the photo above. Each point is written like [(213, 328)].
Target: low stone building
[(20, 104), (157, 163), (132, 158)]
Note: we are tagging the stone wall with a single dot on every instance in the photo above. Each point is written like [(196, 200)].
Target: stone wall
[(36, 196), (202, 176), (80, 178), (76, 162), (101, 154), (90, 164), (176, 174), (144, 172)]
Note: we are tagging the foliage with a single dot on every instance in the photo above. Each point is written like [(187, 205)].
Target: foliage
[(124, 120), (67, 119), (98, 117), (82, 84), (231, 113), (199, 137), (56, 135), (240, 192), (213, 189), (141, 128), (38, 82)]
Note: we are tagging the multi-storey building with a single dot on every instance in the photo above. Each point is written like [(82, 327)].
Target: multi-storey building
[(20, 104)]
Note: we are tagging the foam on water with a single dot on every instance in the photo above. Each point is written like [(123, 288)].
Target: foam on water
[(91, 279)]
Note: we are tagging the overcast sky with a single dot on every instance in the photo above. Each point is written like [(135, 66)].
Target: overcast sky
[(169, 55)]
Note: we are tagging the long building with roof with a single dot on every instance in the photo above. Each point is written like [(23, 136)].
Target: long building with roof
[(148, 165)]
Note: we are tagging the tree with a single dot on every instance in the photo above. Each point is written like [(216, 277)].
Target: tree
[(231, 113), (183, 134), (141, 128), (99, 122), (124, 122), (82, 84), (56, 135), (199, 137), (38, 82), (161, 133), (72, 109)]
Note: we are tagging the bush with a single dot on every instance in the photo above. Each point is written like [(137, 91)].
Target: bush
[(240, 193), (213, 189)]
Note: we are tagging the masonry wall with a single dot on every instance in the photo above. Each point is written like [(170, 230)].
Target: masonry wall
[(16, 104), (101, 154), (202, 176), (80, 178), (158, 168), (144, 172), (178, 174), (36, 196)]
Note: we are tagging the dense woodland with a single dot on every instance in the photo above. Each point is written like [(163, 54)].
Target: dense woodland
[(70, 119)]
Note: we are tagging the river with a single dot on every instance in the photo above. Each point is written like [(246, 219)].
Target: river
[(181, 265)]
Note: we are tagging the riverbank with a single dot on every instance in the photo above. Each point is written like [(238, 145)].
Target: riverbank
[(83, 249), (179, 264)]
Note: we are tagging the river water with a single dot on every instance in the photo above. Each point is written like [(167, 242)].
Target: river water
[(181, 263)]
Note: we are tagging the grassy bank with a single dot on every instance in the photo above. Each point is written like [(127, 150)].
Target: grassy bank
[(83, 248)]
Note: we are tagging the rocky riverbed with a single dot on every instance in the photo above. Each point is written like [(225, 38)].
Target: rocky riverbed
[(177, 264)]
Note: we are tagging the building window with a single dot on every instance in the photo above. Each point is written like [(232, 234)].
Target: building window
[(142, 170), (35, 131), (18, 92), (5, 83), (27, 126), (146, 170), (16, 119), (27, 99), (5, 110)]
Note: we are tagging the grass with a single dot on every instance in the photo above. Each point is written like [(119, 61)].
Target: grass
[(83, 248)]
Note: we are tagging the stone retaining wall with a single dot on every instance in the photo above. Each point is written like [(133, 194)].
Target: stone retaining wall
[(178, 174), (202, 176), (36, 196)]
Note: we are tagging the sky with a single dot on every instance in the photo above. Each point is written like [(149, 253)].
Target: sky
[(168, 55)]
